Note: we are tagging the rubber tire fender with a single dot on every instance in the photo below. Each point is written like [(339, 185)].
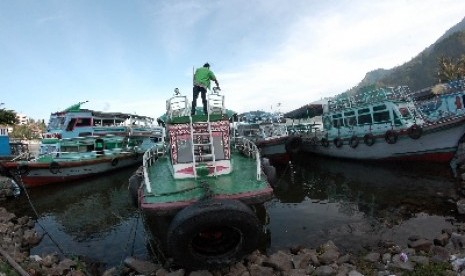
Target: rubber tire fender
[(369, 139), (114, 162), (54, 167), (391, 137), (415, 131), (338, 142), (270, 172), (353, 141), (190, 223), (324, 142), (22, 169), (134, 184), (293, 145)]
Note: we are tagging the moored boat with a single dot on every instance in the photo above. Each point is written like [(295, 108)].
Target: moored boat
[(388, 123), (77, 158), (269, 133), (206, 182), (76, 121)]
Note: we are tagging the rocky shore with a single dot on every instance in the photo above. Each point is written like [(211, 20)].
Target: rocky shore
[(444, 255)]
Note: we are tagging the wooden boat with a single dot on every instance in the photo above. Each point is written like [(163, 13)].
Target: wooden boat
[(269, 133), (387, 124), (207, 182), (77, 158)]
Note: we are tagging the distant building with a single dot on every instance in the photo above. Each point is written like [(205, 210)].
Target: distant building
[(22, 119)]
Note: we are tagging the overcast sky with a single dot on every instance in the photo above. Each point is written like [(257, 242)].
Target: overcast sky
[(128, 56)]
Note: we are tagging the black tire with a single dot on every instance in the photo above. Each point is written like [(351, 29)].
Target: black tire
[(353, 142), (369, 139), (293, 145), (22, 169), (265, 162), (54, 167), (270, 172), (415, 131), (338, 142), (114, 162), (391, 137), (134, 184), (212, 233), (324, 142)]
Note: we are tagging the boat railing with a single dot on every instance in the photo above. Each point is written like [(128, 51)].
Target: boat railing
[(149, 158), (249, 148), (177, 105), (368, 96)]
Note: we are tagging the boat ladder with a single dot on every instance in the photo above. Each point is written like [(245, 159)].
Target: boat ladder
[(203, 150)]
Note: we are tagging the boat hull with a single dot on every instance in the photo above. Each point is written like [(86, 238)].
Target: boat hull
[(438, 143), (41, 173), (274, 149)]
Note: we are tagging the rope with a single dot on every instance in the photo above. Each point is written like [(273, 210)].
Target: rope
[(37, 216)]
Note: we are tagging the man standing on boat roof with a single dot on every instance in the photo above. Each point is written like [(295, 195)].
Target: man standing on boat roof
[(202, 78)]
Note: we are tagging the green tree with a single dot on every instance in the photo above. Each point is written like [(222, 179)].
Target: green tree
[(8, 117)]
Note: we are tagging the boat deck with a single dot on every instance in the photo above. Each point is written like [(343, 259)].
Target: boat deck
[(169, 194)]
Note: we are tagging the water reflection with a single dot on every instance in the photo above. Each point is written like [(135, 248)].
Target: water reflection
[(317, 199), (356, 204)]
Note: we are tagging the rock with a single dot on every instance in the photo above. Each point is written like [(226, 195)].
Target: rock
[(421, 245), (372, 257), (201, 273), (142, 267), (256, 270), (324, 270), (279, 261), (302, 260)]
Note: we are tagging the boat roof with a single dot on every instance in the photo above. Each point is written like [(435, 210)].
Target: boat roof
[(307, 111), (76, 108)]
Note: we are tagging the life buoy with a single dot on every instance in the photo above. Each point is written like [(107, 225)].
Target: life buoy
[(337, 142), (369, 139), (391, 137), (54, 167), (293, 145), (353, 141), (324, 142), (22, 169), (212, 233), (114, 162), (415, 131)]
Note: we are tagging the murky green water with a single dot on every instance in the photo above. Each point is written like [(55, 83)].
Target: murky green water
[(317, 199)]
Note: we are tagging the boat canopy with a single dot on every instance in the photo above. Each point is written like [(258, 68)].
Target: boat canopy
[(307, 111), (228, 112)]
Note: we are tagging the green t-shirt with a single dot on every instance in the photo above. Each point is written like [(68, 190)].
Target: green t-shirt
[(202, 77)]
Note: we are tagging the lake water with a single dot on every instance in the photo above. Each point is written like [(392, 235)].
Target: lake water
[(317, 199)]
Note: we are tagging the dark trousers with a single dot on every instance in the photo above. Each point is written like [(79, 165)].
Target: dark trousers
[(196, 90)]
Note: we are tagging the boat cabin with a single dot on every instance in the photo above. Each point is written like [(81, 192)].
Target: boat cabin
[(199, 144)]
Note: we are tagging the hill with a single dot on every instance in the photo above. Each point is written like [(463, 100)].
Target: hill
[(422, 70)]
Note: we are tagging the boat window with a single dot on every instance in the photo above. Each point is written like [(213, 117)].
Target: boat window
[(364, 119), (397, 120), (363, 111), (350, 121), (97, 122), (381, 117), (71, 124), (83, 122), (379, 107), (404, 112), (337, 120), (349, 113)]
